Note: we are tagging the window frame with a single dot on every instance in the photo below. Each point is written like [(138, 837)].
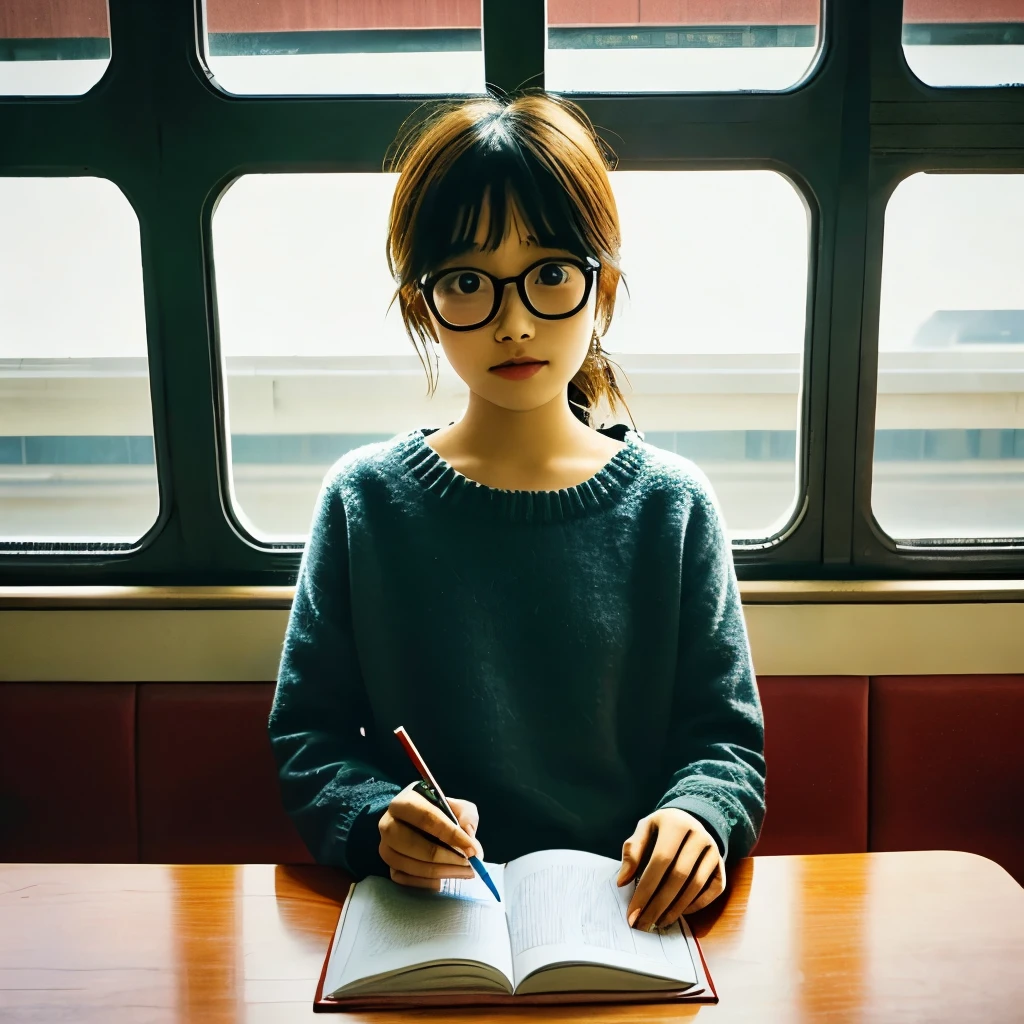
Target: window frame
[(873, 546), (172, 142), (901, 82), (919, 127)]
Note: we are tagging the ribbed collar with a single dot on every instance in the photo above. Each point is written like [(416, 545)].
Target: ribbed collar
[(447, 484)]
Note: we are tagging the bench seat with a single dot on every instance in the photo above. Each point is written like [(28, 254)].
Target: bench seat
[(183, 772)]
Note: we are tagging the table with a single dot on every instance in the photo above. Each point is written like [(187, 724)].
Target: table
[(873, 937)]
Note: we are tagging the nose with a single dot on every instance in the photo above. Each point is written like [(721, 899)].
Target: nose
[(514, 320)]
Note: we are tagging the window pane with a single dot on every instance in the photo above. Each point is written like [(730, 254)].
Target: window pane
[(52, 49), (711, 340), (680, 45), (76, 423), (949, 427), (965, 42), (298, 47)]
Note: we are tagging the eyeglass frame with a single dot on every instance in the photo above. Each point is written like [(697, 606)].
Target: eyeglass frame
[(589, 269)]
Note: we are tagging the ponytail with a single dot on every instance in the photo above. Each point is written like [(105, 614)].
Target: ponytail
[(595, 380)]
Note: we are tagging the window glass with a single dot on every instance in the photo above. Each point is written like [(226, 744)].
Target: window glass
[(53, 49), (710, 337), (965, 42), (680, 45), (76, 423), (296, 47), (949, 426)]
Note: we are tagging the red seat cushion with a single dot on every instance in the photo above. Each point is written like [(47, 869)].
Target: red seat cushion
[(947, 771), (208, 789), (67, 772), (816, 744)]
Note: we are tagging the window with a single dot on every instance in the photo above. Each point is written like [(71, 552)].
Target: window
[(711, 334), (312, 365), (76, 424), (401, 47), (710, 338), (965, 42), (785, 193), (678, 46), (53, 49), (949, 426)]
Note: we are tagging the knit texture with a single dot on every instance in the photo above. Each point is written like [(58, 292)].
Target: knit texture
[(568, 660)]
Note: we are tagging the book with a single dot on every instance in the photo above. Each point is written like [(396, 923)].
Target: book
[(558, 935)]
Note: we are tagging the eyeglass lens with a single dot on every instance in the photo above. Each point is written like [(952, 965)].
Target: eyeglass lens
[(465, 297)]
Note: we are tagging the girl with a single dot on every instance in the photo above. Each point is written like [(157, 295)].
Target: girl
[(549, 608)]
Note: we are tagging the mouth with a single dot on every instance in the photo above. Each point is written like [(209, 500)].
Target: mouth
[(520, 362)]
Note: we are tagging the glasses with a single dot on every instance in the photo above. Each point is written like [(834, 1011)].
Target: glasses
[(465, 298)]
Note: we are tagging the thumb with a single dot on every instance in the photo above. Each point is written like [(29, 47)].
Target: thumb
[(632, 850), (468, 815)]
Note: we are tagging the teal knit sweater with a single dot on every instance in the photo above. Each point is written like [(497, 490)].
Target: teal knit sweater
[(568, 660)]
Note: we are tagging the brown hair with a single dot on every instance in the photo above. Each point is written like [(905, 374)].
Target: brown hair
[(540, 152)]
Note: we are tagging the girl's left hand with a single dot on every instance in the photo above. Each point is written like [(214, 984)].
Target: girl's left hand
[(684, 870)]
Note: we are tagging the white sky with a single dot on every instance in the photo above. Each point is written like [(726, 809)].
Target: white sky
[(569, 70), (716, 261), (952, 241)]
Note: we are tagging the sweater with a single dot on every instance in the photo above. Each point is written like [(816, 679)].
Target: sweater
[(569, 660)]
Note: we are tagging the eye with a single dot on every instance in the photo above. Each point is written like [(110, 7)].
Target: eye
[(552, 274), (463, 283)]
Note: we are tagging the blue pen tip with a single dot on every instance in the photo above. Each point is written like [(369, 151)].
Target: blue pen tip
[(482, 872)]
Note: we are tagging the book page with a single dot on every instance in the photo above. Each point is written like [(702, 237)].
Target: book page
[(564, 907), (389, 928)]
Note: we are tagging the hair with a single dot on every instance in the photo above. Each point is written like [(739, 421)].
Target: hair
[(536, 152)]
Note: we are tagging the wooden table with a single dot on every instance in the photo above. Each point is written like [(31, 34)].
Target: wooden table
[(930, 936)]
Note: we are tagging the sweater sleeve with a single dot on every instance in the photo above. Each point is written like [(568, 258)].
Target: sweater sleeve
[(329, 785), (717, 728)]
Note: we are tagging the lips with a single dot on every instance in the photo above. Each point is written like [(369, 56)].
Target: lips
[(519, 362), (523, 370)]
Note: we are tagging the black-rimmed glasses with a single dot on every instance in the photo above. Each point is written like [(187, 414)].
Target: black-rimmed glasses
[(553, 288)]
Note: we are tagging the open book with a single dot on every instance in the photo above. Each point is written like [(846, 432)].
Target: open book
[(560, 928)]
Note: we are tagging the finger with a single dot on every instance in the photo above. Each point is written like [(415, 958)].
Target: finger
[(438, 842), (669, 838), (423, 869), (681, 868), (417, 810), (706, 882), (415, 844), (633, 848), (715, 887), (702, 872), (468, 815), (413, 880)]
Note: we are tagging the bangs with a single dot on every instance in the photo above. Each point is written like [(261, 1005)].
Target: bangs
[(515, 183)]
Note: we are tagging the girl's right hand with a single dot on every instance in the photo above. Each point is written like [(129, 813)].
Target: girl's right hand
[(414, 858)]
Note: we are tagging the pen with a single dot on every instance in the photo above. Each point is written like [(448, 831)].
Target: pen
[(441, 801)]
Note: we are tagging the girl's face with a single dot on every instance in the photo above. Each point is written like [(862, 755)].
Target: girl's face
[(515, 333)]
